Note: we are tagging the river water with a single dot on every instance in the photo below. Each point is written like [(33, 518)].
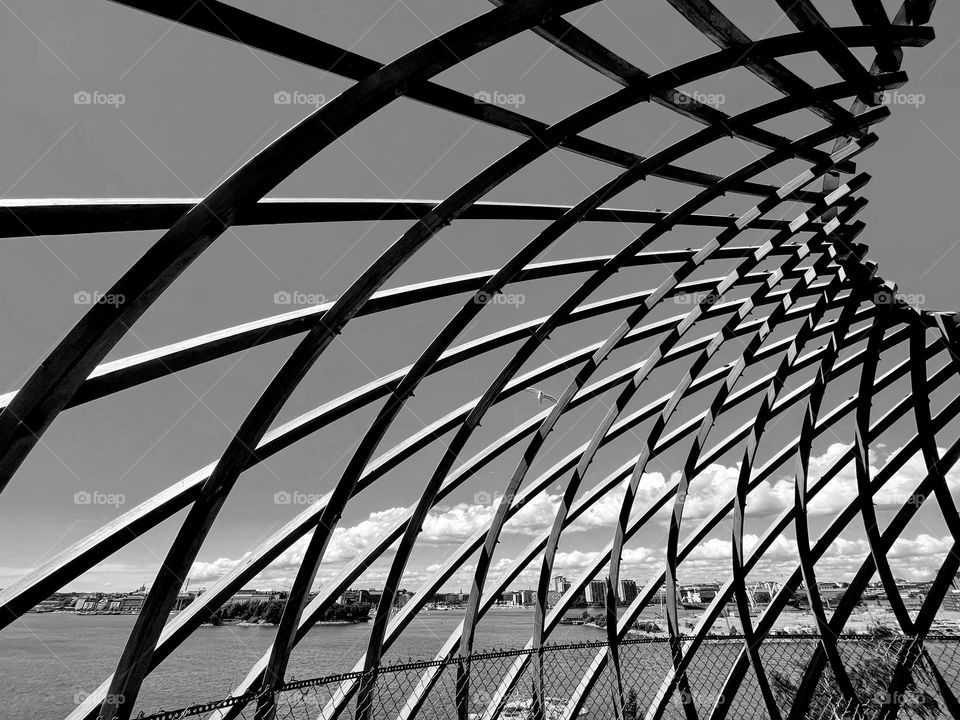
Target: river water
[(50, 660)]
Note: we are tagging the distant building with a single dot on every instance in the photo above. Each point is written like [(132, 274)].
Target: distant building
[(520, 597), (132, 603), (595, 592), (627, 591), (48, 605), (698, 594), (255, 596), (85, 604), (183, 599), (561, 584), (369, 597)]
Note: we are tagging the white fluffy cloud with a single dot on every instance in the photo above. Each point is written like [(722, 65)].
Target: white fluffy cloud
[(449, 526), (345, 544)]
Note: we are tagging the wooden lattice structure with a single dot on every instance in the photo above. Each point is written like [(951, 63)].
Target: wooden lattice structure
[(809, 270)]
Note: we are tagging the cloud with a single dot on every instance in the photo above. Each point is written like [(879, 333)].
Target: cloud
[(450, 526), (922, 546), (345, 544), (212, 571), (574, 560)]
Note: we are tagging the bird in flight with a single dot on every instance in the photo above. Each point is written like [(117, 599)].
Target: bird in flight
[(540, 394)]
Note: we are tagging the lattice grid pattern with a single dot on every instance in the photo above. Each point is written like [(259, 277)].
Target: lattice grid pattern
[(726, 346)]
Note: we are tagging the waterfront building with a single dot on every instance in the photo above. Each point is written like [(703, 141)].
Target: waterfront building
[(595, 592), (627, 591)]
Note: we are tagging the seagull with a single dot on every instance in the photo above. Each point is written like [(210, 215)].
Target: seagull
[(540, 394)]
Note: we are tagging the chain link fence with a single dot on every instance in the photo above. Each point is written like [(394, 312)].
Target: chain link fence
[(503, 684)]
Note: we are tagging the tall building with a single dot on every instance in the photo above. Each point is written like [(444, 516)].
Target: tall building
[(627, 591), (595, 592), (561, 584)]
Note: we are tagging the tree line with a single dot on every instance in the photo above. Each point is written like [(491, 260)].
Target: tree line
[(270, 612)]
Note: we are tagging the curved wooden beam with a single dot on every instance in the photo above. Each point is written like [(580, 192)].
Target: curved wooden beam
[(33, 409), (711, 456), (765, 623), (25, 419), (29, 590), (469, 193), (801, 520), (581, 377), (774, 281), (124, 373), (21, 217), (807, 18), (572, 487), (714, 408), (867, 569), (481, 183), (947, 572), (544, 481), (743, 484), (237, 25), (26, 592), (764, 473), (191, 617)]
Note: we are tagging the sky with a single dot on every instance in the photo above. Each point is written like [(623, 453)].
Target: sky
[(176, 111)]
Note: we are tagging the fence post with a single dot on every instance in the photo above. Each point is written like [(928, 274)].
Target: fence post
[(365, 693), (463, 688)]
